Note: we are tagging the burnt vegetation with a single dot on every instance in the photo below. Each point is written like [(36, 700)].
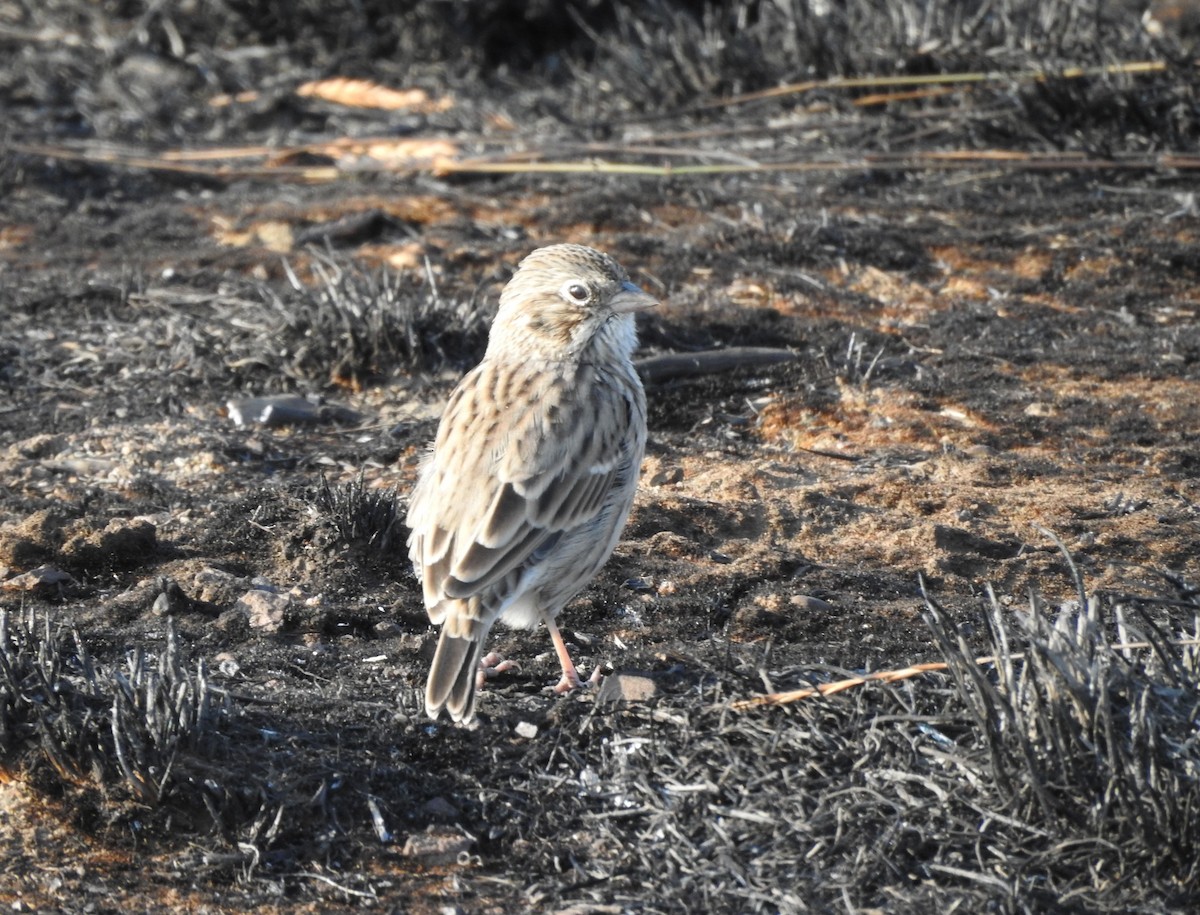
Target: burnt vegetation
[(1064, 769), (211, 647)]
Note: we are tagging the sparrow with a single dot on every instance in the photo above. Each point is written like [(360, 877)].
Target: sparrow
[(532, 474)]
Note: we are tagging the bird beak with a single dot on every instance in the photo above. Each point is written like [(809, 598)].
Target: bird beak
[(631, 298)]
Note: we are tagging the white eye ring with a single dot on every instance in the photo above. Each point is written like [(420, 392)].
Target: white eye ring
[(575, 291)]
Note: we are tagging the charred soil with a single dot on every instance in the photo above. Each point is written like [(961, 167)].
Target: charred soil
[(900, 412)]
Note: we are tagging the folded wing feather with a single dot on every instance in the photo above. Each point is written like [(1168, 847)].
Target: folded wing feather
[(538, 484)]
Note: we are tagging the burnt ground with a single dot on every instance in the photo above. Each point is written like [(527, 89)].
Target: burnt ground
[(214, 649)]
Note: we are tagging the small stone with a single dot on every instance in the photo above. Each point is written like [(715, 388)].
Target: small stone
[(227, 664), (626, 687), (286, 410), (526, 729), (215, 586), (170, 599), (280, 410), (438, 808), (811, 604), (437, 846), (264, 609), (46, 579)]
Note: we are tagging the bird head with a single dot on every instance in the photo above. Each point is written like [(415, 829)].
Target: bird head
[(568, 301)]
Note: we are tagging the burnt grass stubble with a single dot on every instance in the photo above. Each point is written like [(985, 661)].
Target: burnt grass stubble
[(164, 743)]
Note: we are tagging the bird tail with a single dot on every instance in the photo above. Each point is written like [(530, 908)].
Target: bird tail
[(451, 683)]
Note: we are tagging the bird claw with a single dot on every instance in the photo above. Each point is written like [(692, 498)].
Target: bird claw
[(571, 680), (568, 683), (491, 666)]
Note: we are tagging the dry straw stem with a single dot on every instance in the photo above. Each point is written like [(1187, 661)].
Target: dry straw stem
[(164, 163), (948, 160), (1129, 68), (351, 156), (904, 673)]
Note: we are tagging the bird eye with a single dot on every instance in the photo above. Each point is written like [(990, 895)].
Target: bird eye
[(576, 292)]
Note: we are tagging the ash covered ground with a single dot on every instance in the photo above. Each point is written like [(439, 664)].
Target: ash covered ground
[(908, 404)]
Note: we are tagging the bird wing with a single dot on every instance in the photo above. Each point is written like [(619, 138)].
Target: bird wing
[(522, 456)]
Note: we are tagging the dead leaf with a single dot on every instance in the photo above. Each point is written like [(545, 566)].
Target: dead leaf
[(363, 93)]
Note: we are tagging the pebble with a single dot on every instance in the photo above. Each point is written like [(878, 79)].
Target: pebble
[(626, 687), (265, 609), (437, 846), (811, 604)]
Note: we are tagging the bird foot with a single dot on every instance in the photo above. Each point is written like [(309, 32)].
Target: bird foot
[(570, 680), (491, 666)]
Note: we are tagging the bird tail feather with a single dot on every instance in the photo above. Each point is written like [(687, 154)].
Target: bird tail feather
[(451, 683)]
